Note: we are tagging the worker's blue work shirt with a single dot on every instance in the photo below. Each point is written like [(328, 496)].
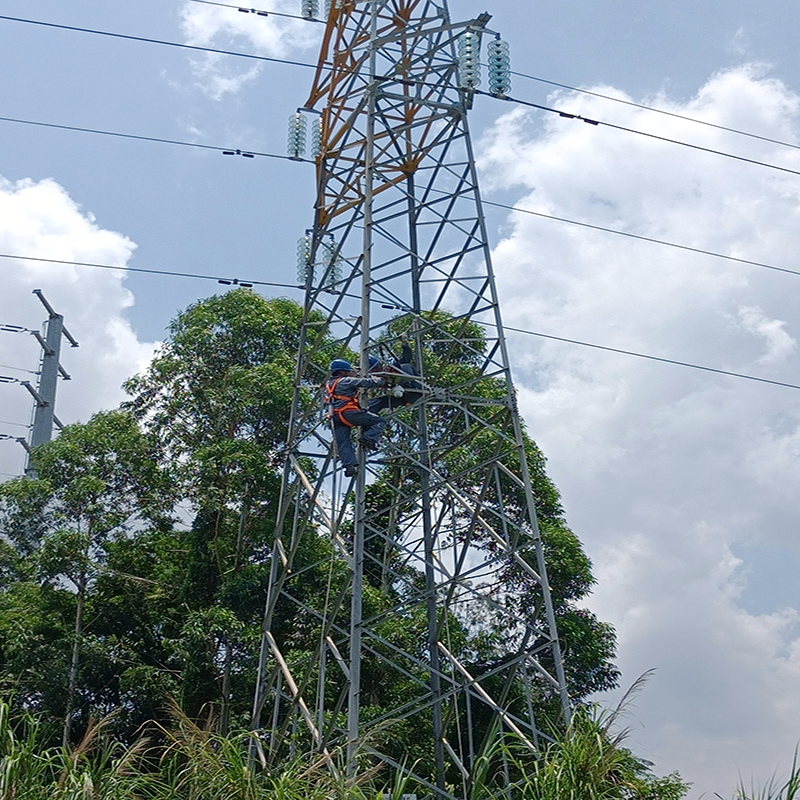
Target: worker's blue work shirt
[(347, 387), (346, 415)]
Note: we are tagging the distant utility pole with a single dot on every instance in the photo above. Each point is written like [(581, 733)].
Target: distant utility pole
[(44, 395)]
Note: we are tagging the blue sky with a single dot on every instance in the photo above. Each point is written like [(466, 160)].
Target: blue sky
[(682, 485)]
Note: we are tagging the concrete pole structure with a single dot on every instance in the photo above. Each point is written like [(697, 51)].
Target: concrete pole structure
[(44, 395)]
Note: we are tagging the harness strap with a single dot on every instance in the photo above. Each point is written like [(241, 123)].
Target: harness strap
[(350, 402)]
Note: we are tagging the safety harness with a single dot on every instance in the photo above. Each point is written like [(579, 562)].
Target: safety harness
[(350, 402)]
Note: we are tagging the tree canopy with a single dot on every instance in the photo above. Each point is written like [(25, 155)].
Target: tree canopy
[(134, 567)]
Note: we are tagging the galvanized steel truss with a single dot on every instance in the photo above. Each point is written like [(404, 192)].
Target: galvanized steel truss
[(399, 243)]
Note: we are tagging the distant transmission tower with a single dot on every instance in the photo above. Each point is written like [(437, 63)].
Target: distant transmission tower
[(436, 522)]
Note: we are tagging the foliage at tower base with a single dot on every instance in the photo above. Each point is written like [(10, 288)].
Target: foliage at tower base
[(586, 763), (134, 568)]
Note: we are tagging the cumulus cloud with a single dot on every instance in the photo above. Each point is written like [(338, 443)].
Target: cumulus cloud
[(668, 474), (779, 343), (228, 28), (40, 219)]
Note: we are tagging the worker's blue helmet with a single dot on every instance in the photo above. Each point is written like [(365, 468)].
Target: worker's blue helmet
[(340, 365), (374, 363)]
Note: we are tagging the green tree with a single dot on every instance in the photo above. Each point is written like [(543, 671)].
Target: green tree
[(452, 352), (217, 394), (96, 482), (175, 608), (217, 398)]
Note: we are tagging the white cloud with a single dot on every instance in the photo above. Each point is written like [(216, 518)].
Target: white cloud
[(40, 219), (779, 343), (665, 470), (229, 29), (739, 43)]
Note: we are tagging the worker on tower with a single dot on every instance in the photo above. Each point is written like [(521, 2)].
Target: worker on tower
[(410, 388), (342, 402)]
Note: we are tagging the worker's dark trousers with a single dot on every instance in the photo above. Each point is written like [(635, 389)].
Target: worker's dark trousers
[(371, 425), (385, 401)]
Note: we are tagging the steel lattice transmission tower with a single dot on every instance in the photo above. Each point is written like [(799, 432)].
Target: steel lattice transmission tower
[(434, 524)]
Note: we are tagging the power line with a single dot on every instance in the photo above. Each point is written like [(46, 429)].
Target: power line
[(159, 41), (296, 286), (17, 424), (506, 98), (685, 247), (264, 13), (5, 379), (677, 246), (654, 110), (314, 66), (18, 369), (655, 358), (611, 125), (259, 12), (224, 150), (254, 153), (224, 280)]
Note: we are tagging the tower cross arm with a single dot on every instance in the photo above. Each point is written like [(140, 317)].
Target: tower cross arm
[(40, 401)]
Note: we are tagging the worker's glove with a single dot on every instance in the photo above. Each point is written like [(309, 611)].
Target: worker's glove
[(398, 391)]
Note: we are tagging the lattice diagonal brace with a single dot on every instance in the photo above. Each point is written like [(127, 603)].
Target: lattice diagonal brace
[(434, 525)]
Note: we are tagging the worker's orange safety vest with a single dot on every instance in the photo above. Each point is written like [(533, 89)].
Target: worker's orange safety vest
[(350, 403)]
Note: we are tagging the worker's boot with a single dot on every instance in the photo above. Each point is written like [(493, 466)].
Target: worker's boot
[(351, 470)]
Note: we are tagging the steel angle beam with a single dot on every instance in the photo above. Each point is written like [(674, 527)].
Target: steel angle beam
[(423, 542)]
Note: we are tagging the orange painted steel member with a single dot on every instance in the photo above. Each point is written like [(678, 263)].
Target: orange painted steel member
[(342, 402)]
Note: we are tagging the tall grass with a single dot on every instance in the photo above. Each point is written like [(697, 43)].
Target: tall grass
[(587, 762), (775, 789), (194, 764), (96, 769), (199, 764)]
